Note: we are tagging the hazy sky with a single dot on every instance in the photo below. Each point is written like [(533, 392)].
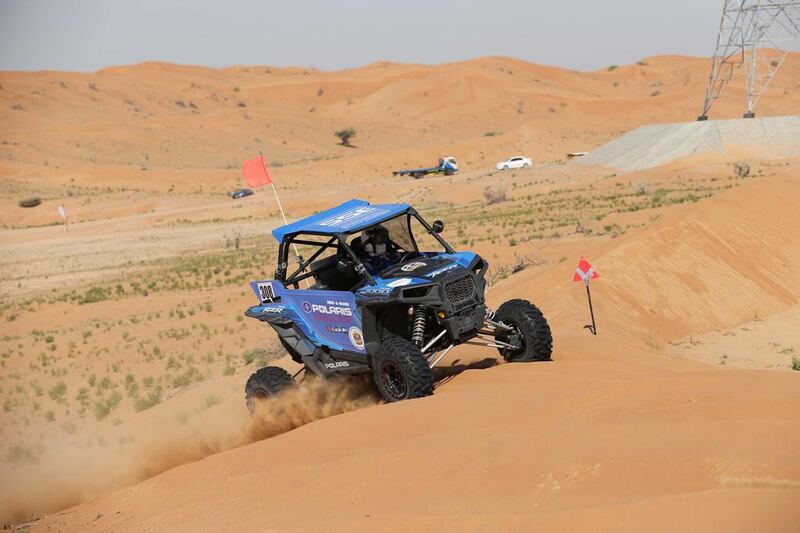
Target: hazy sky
[(580, 34)]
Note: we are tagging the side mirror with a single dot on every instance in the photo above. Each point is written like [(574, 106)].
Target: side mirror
[(438, 226)]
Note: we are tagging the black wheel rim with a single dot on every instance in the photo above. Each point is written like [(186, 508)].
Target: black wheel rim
[(512, 337), (394, 381)]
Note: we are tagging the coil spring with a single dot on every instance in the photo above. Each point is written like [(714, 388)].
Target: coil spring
[(418, 327), (490, 314)]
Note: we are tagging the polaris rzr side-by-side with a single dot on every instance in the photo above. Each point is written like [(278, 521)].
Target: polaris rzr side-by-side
[(383, 293)]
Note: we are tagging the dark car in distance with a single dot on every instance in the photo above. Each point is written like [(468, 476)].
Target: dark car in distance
[(241, 193)]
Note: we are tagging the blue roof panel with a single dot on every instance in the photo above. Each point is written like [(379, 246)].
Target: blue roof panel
[(350, 217)]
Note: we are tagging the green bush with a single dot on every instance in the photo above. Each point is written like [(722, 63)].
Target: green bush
[(94, 295), (149, 401), (57, 392), (345, 135)]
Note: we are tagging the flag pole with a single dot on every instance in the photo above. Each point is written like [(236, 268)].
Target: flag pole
[(593, 327), (283, 214), (274, 190)]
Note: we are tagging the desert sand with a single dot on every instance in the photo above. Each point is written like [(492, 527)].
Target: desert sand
[(124, 352)]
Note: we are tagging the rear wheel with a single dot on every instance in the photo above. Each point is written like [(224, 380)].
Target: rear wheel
[(266, 383), (400, 371), (529, 331)]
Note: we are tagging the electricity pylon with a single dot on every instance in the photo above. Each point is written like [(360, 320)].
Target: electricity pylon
[(750, 34)]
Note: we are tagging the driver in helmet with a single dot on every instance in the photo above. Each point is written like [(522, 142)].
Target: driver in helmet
[(375, 246)]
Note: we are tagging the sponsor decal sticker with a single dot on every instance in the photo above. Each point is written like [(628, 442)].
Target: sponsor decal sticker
[(348, 217), (337, 364), (412, 266), (402, 282), (274, 309), (327, 309), (441, 270), (356, 337), (375, 290)]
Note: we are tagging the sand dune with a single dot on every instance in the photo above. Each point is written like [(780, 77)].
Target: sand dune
[(613, 435), (621, 432)]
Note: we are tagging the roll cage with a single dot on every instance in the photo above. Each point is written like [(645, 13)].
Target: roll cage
[(339, 240)]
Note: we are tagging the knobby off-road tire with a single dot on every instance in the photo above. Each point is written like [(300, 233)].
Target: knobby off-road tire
[(400, 370), (266, 383), (531, 329)]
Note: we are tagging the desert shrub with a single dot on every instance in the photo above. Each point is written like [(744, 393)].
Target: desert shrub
[(259, 356), (521, 262), (186, 378), (741, 169), (57, 392), (796, 364), (180, 103), (18, 454), (146, 402), (612, 68), (495, 194), (30, 202), (103, 407), (94, 295), (345, 135), (101, 410)]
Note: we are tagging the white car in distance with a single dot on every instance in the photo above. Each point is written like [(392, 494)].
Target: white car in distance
[(514, 162)]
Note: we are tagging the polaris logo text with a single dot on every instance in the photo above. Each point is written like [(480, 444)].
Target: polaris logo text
[(337, 364), (327, 309)]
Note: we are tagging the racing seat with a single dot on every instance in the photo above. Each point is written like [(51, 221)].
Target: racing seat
[(328, 276)]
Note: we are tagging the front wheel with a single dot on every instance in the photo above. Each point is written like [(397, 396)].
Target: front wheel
[(266, 383), (529, 331), (400, 370)]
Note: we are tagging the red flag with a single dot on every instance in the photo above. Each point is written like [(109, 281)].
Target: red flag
[(255, 172), (584, 272)]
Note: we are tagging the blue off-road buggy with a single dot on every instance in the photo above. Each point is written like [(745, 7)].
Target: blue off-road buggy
[(382, 292)]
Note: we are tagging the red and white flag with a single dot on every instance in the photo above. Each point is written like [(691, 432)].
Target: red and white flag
[(584, 272), (255, 172)]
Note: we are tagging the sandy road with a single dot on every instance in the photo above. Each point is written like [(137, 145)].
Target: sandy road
[(43, 258)]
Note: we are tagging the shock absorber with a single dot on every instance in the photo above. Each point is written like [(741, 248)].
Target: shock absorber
[(489, 314), (418, 326)]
